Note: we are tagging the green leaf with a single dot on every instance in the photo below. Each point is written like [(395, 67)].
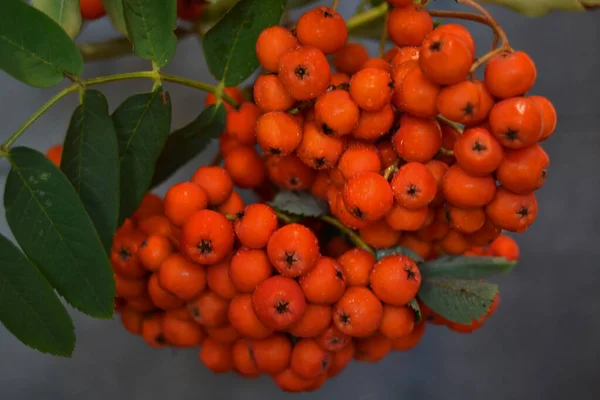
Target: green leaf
[(458, 300), (91, 162), (142, 122), (150, 26), (298, 3), (186, 143), (414, 305), (369, 30), (29, 308), (33, 48), (229, 46), (114, 9), (299, 203), (65, 12), (53, 229), (401, 251), (465, 267), (535, 8)]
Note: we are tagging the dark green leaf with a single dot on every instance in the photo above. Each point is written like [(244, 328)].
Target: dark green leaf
[(534, 8), (29, 308), (399, 250), (299, 3), (186, 143), (53, 229), (142, 122), (114, 9), (229, 46), (65, 12), (465, 267), (150, 26), (91, 162), (414, 305), (458, 300), (299, 203), (33, 48)]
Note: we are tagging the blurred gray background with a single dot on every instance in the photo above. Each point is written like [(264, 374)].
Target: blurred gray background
[(543, 342)]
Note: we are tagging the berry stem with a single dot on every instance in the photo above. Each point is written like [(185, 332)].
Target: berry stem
[(486, 57), (154, 75), (367, 16), (393, 168), (384, 36), (467, 16), (288, 219), (354, 238), (445, 121), (334, 4), (493, 23)]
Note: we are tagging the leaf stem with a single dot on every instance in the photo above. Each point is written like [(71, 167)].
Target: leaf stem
[(354, 238), (467, 16), (367, 16), (492, 21), (334, 4), (155, 75), (486, 57), (283, 216), (384, 36), (393, 168)]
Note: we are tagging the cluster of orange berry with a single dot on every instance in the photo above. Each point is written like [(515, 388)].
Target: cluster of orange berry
[(409, 149)]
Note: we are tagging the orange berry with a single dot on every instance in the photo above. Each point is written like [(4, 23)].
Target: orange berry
[(445, 58), (189, 10), (182, 200), (336, 111), (379, 235), (278, 302), (278, 133), (409, 341), (255, 225), (460, 31), (486, 102), (246, 168), (181, 333), (272, 354), (406, 53), (523, 170), (218, 280), (517, 122), (485, 235), (548, 114), (368, 196), (505, 246), (466, 191), (304, 72), (227, 143), (243, 359), (160, 297), (339, 79), (271, 95), (350, 58), (460, 102), (215, 181), (395, 280), (124, 255), (466, 220), (340, 360), (325, 283), (223, 334), (54, 154), (132, 320), (152, 330), (290, 382), (314, 322), (289, 172), (129, 288), (377, 63), (233, 205), (317, 149), (249, 268), (244, 319), (414, 93), (293, 250), (320, 185), (207, 237), (181, 277), (218, 357), (358, 159), (387, 154), (408, 26), (272, 43), (309, 360), (332, 339), (417, 139), (397, 321), (241, 123), (512, 212), (371, 88), (323, 28), (92, 9), (403, 219), (358, 313), (232, 91), (510, 74), (422, 248), (141, 304), (373, 348), (477, 152), (356, 266), (209, 310), (372, 125), (414, 186), (338, 209), (454, 242)]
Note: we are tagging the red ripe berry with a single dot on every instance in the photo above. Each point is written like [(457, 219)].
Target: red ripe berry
[(478, 152), (278, 133), (517, 122), (524, 170), (510, 74), (445, 58), (255, 225), (371, 88), (207, 237), (395, 280), (323, 28), (417, 139), (293, 250), (304, 72), (460, 102), (414, 186), (368, 196), (337, 111), (278, 302), (272, 43), (408, 26)]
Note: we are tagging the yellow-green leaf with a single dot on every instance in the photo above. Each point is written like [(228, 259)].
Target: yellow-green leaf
[(65, 12), (114, 9)]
